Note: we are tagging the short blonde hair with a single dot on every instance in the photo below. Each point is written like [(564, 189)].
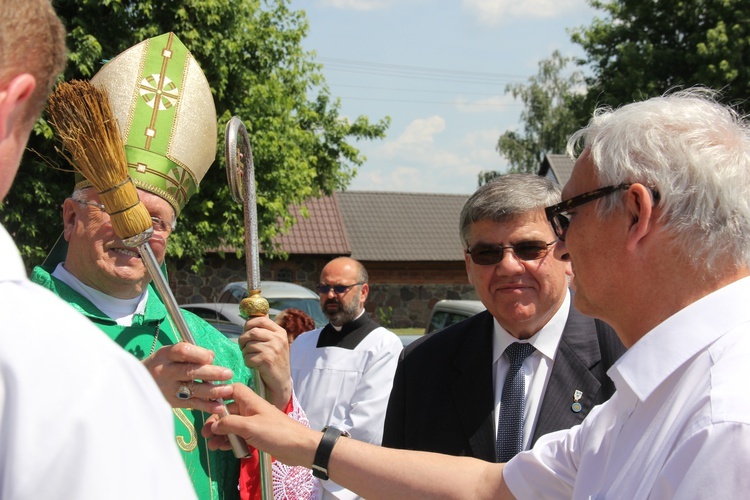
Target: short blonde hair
[(32, 40)]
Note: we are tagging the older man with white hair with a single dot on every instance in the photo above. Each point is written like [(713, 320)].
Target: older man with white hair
[(656, 220)]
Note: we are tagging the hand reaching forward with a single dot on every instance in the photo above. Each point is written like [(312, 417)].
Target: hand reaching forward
[(369, 470), (268, 429)]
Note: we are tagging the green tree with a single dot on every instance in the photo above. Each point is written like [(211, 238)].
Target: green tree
[(642, 48), (251, 54), (486, 176), (550, 99)]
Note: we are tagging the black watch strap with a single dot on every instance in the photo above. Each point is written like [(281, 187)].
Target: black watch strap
[(323, 453)]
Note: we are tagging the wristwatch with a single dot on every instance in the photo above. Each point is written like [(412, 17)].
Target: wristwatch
[(323, 454)]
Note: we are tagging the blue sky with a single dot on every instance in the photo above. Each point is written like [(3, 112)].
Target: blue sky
[(438, 68)]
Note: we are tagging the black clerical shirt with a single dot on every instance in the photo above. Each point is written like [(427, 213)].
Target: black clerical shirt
[(351, 334)]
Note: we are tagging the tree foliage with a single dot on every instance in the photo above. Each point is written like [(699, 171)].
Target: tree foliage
[(486, 176), (251, 54), (638, 49), (550, 100), (643, 48)]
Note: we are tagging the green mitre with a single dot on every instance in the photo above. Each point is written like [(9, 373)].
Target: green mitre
[(165, 110)]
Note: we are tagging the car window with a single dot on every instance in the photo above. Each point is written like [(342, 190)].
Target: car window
[(443, 319), (437, 321), (454, 318), (227, 297), (309, 306), (235, 292), (208, 314), (233, 295), (238, 294)]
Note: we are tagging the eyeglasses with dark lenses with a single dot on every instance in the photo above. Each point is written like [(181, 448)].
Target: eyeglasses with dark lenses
[(159, 225), (487, 255), (560, 220), (338, 289)]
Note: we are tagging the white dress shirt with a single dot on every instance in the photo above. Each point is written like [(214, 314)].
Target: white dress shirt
[(537, 367), (678, 425), (79, 417)]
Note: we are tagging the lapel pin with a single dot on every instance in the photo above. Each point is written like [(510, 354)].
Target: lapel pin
[(576, 406)]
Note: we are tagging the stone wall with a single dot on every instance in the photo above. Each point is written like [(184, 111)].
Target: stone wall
[(409, 305), (401, 292)]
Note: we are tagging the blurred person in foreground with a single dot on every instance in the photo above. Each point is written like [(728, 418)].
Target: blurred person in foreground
[(76, 412), (167, 121), (454, 389), (656, 220), (294, 322)]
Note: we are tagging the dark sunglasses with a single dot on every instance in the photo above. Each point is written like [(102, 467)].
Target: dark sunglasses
[(560, 220), (338, 289), (487, 255)]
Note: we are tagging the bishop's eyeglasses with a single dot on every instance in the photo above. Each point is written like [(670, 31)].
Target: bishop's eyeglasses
[(160, 226)]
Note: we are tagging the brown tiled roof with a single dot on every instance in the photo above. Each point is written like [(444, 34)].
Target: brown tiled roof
[(557, 168), (322, 233), (387, 226)]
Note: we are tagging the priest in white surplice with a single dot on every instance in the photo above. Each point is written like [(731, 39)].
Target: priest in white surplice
[(343, 372)]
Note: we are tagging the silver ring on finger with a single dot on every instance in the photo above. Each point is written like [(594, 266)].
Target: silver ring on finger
[(184, 392)]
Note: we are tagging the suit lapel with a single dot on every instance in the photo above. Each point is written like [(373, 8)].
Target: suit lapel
[(472, 388), (576, 354)]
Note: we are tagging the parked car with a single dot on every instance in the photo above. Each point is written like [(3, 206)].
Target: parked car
[(224, 317), (447, 312), (408, 339), (280, 295)]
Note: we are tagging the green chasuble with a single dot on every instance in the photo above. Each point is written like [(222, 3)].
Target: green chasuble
[(215, 474)]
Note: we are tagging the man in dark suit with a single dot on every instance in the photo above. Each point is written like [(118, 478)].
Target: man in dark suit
[(450, 393)]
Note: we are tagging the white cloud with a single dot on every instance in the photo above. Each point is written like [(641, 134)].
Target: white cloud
[(481, 138), (417, 179), (405, 177), (495, 12), (495, 104), (417, 136), (481, 146), (421, 160), (400, 178)]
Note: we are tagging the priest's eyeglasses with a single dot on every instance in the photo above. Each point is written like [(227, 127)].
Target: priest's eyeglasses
[(323, 289), (486, 254), (160, 226)]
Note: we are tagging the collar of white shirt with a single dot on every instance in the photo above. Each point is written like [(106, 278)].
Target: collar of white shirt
[(121, 310), (545, 340), (677, 339)]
